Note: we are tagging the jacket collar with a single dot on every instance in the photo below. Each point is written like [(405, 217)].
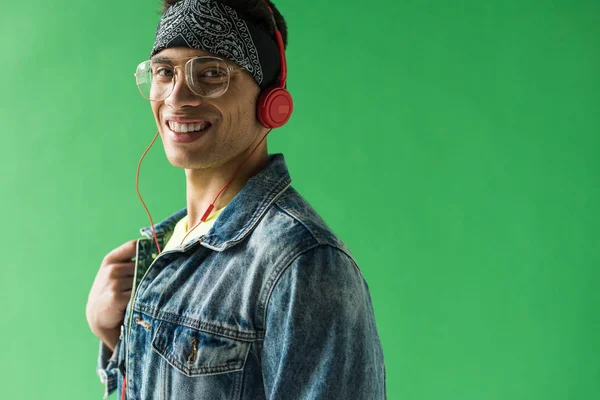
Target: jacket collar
[(242, 213)]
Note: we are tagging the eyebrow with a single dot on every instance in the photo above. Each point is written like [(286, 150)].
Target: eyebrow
[(170, 60), (162, 59)]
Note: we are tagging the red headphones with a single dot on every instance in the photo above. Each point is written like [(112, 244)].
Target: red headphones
[(275, 105)]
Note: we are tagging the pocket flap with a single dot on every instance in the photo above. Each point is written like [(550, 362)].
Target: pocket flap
[(194, 352)]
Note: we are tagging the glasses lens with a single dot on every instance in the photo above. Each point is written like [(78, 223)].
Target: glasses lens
[(155, 80), (208, 77)]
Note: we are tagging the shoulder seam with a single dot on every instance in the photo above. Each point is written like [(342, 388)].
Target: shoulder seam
[(295, 217), (276, 280), (286, 267)]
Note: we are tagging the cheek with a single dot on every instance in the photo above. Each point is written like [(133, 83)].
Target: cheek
[(154, 108), (155, 111), (244, 94), (245, 103)]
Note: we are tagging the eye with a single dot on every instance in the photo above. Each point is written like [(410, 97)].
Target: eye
[(213, 73), (164, 72)]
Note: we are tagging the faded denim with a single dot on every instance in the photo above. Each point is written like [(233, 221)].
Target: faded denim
[(269, 304)]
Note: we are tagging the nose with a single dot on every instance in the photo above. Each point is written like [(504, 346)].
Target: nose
[(182, 95)]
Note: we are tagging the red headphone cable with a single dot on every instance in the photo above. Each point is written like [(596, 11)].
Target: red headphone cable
[(212, 205), (203, 219), (124, 384), (282, 84), (137, 179)]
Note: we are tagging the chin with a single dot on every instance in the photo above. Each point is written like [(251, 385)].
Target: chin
[(184, 162)]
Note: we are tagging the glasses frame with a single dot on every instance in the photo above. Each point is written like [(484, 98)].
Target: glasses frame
[(187, 73)]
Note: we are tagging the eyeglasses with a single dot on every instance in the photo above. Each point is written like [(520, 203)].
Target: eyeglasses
[(206, 76)]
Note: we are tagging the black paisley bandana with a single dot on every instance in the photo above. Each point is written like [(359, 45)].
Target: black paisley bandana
[(217, 28)]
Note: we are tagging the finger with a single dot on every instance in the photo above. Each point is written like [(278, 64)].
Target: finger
[(123, 298), (123, 285), (119, 270), (123, 253)]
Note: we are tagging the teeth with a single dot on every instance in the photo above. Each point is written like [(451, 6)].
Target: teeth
[(185, 128)]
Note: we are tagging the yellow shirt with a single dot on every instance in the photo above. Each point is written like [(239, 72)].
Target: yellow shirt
[(181, 229)]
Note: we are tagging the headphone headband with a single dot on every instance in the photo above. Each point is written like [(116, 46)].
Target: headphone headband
[(275, 104)]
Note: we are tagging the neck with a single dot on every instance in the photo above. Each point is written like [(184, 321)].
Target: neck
[(203, 185)]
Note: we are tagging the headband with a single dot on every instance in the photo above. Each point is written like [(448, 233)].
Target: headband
[(217, 28)]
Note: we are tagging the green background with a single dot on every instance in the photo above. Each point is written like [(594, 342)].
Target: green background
[(454, 146)]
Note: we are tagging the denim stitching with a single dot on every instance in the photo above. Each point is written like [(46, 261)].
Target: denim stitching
[(256, 217), (197, 324)]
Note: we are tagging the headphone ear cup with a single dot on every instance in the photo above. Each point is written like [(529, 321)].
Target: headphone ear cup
[(274, 107)]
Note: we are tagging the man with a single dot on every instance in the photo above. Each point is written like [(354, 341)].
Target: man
[(245, 293)]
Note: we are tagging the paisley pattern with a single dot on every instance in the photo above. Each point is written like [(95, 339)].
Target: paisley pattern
[(210, 26)]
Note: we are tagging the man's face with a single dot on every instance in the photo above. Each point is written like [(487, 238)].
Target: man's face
[(233, 116)]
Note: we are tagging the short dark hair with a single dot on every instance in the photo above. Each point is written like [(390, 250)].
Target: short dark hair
[(256, 11)]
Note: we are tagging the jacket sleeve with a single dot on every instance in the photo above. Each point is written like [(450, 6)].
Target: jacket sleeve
[(321, 340), (107, 368)]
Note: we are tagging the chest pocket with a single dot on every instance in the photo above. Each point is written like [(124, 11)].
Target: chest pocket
[(194, 352)]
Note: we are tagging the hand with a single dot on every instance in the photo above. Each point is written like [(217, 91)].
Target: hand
[(110, 293)]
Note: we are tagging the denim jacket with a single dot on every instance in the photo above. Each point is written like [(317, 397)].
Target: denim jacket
[(269, 304)]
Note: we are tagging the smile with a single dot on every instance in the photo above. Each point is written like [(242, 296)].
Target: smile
[(186, 128)]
